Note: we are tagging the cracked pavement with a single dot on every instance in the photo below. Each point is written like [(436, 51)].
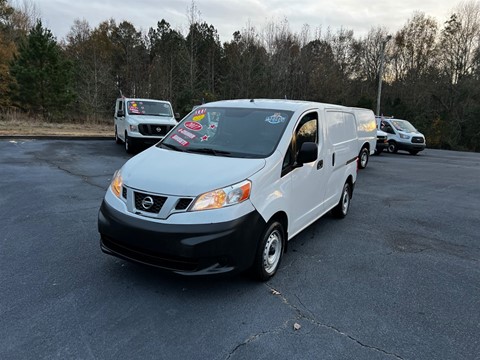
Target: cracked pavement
[(398, 278)]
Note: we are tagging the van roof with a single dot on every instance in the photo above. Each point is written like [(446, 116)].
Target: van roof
[(142, 99), (280, 104)]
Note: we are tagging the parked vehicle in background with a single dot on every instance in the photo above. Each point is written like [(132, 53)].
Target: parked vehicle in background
[(382, 142), (230, 185), (367, 135), (401, 135), (142, 121)]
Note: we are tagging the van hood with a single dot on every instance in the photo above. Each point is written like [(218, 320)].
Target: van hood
[(171, 172), (150, 119)]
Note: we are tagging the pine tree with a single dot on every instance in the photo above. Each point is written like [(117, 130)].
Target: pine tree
[(43, 76)]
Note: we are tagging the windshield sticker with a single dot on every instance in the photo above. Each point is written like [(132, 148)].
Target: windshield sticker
[(187, 133), (201, 112), (181, 141), (193, 126), (204, 138), (213, 126), (198, 117), (275, 119)]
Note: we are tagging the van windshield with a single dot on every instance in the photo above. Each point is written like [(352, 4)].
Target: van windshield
[(235, 132), (152, 108), (403, 125)]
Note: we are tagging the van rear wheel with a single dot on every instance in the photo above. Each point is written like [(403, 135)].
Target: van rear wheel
[(364, 154), (269, 251), (341, 210)]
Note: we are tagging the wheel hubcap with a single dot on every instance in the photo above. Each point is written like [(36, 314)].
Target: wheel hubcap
[(364, 159), (272, 252)]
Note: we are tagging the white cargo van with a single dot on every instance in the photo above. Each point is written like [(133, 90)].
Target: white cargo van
[(367, 135), (401, 135), (229, 186), (142, 121)]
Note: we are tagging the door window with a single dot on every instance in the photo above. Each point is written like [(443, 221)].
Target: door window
[(306, 131)]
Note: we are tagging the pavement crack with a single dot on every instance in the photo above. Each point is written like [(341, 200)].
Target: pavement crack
[(309, 316)]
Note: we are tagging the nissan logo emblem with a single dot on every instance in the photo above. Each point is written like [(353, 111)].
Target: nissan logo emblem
[(158, 129), (147, 202)]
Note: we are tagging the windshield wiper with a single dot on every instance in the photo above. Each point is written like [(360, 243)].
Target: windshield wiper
[(169, 146), (209, 151)]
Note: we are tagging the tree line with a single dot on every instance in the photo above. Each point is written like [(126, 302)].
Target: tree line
[(431, 71)]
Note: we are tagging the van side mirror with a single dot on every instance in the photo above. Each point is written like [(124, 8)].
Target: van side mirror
[(177, 116), (308, 153), (120, 113)]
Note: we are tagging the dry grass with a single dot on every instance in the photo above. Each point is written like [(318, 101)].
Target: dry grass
[(34, 127)]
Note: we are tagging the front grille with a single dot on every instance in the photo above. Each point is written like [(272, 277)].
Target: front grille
[(183, 203), (417, 140), (124, 192), (145, 199), (154, 129)]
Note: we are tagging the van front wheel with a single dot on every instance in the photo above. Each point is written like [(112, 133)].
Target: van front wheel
[(392, 147), (128, 144), (364, 153), (117, 139), (341, 210), (269, 251)]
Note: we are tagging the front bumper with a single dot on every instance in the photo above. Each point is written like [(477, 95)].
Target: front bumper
[(408, 146), (189, 249)]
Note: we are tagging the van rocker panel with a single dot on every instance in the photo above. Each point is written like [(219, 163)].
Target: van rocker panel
[(188, 249)]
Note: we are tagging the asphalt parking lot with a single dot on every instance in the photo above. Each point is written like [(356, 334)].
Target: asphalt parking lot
[(398, 278)]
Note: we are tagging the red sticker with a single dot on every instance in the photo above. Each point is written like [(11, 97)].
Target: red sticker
[(201, 112), (186, 133), (181, 141), (205, 138), (193, 126)]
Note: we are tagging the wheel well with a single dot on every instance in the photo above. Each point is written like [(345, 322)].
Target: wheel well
[(350, 182), (366, 146), (282, 218)]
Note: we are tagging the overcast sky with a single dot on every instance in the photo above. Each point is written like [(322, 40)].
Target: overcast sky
[(228, 16)]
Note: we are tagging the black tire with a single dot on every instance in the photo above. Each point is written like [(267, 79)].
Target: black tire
[(392, 147), (269, 251), (117, 139), (128, 144), (363, 158), (413, 152), (341, 209)]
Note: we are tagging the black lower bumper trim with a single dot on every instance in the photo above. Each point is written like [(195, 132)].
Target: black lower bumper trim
[(187, 249)]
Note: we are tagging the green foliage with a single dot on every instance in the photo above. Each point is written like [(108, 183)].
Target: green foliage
[(43, 76)]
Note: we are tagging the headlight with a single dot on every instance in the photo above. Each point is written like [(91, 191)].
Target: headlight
[(227, 196), (117, 183), (133, 128), (403, 136)]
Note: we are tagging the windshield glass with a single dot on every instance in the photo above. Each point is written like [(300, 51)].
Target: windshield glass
[(149, 108), (235, 132), (403, 125)]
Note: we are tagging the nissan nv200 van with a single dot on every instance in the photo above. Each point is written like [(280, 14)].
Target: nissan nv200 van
[(229, 186)]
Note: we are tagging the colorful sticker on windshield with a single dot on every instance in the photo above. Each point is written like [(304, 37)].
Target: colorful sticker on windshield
[(133, 108), (204, 138), (181, 141), (198, 117), (213, 126), (193, 126), (200, 112), (186, 133), (275, 119)]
